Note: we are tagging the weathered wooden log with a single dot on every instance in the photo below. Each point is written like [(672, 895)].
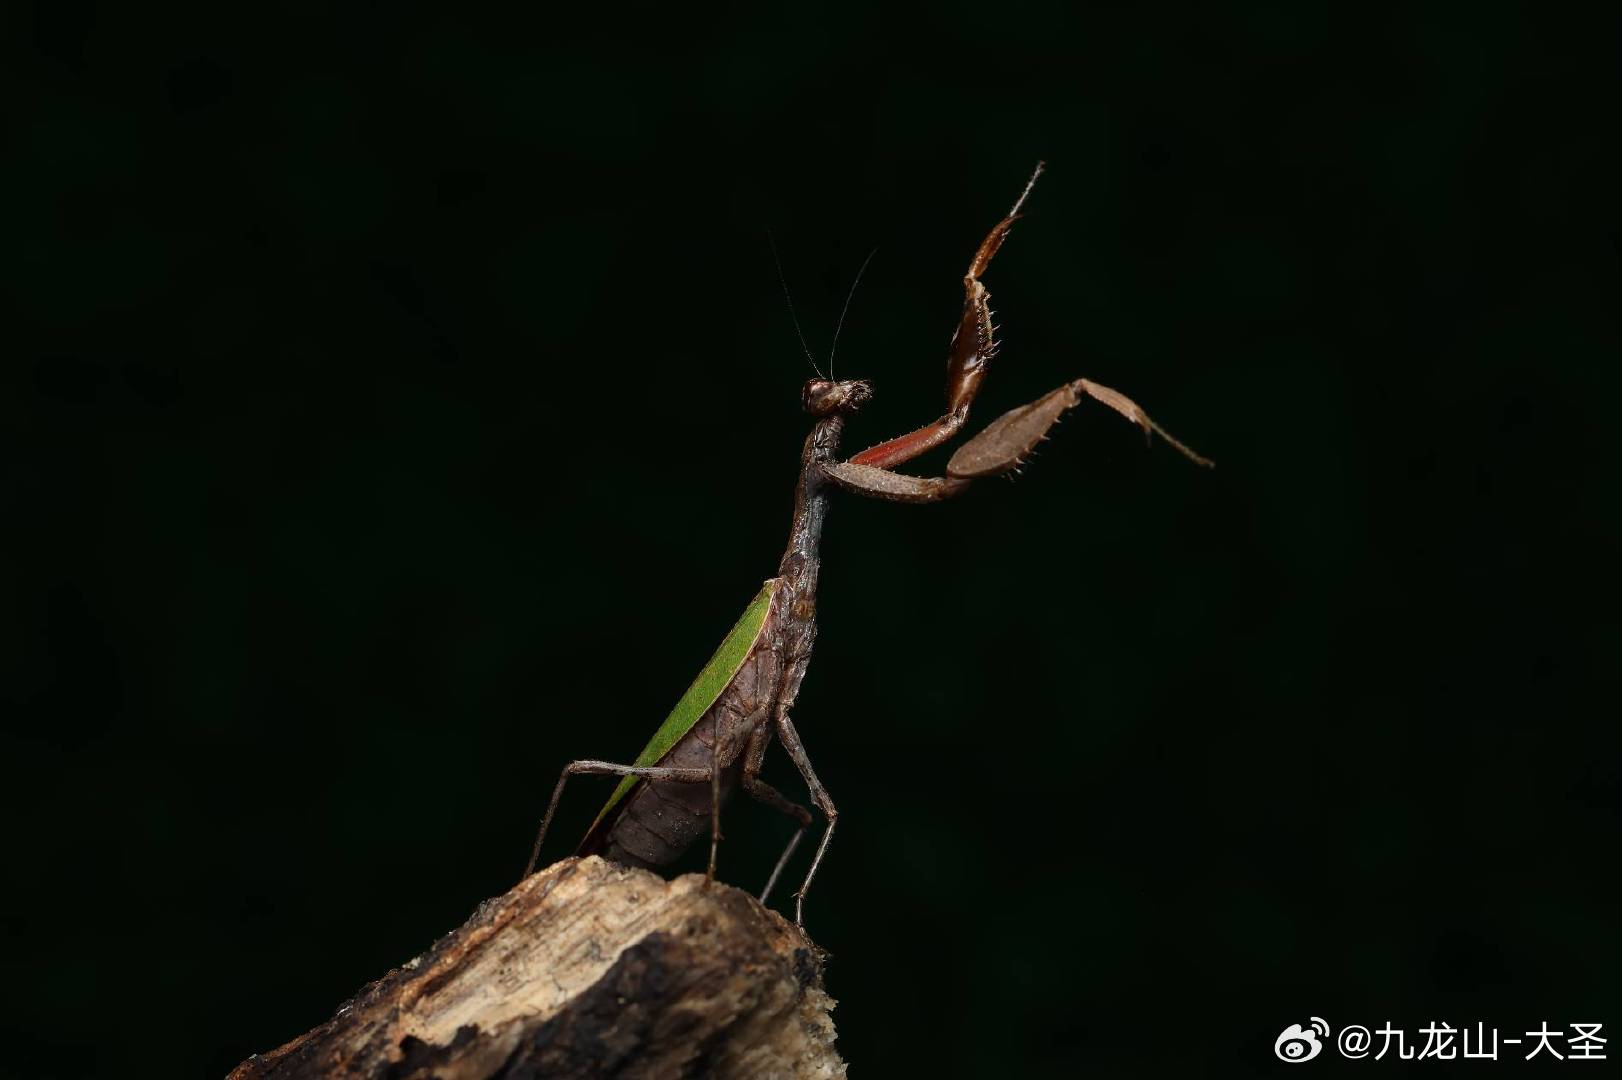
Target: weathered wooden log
[(588, 969)]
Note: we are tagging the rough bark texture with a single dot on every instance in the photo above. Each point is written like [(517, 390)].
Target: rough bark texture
[(589, 969)]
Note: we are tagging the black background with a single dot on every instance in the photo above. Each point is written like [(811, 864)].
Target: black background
[(402, 405)]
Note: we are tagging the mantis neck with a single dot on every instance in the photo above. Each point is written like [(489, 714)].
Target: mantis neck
[(803, 556)]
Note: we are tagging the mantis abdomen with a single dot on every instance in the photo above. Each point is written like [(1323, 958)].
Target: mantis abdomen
[(659, 820)]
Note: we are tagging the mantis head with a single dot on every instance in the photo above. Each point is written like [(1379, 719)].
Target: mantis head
[(824, 397)]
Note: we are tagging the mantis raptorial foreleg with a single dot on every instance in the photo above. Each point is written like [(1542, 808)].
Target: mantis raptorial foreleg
[(974, 344), (1001, 447), (1009, 438)]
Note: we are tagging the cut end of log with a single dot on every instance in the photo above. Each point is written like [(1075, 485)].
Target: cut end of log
[(589, 969)]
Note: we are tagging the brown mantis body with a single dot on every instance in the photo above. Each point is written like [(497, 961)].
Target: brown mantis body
[(676, 796)]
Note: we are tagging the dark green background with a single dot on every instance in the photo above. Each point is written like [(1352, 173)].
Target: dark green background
[(402, 405)]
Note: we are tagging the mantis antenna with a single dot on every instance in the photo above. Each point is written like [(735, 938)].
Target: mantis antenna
[(772, 240), (846, 310)]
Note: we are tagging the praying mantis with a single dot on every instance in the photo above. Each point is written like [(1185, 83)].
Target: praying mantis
[(715, 739)]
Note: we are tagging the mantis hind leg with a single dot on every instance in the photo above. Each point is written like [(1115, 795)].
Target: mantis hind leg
[(609, 768)]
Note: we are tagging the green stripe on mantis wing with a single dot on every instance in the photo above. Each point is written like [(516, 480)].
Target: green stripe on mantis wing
[(711, 682)]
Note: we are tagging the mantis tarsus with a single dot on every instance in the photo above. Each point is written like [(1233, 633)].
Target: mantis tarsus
[(716, 737)]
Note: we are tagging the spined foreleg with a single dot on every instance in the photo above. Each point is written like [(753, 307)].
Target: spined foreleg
[(974, 344), (1000, 448)]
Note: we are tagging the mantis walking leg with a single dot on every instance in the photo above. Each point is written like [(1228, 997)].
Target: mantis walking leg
[(763, 792), (819, 798)]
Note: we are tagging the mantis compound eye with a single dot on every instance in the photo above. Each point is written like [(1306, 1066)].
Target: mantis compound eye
[(816, 396)]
